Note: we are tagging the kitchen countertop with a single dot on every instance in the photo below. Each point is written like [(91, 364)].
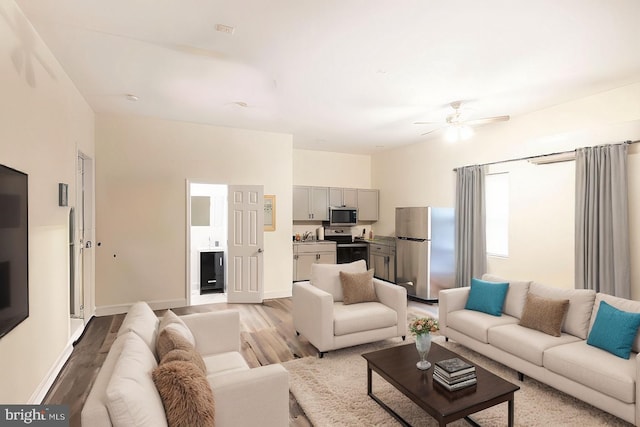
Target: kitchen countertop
[(321, 242)]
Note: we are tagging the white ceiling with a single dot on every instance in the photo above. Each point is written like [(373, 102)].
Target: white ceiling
[(340, 75)]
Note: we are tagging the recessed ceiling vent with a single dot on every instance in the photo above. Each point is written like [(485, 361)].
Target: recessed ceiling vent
[(225, 28)]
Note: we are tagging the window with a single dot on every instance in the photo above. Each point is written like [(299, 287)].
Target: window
[(497, 211)]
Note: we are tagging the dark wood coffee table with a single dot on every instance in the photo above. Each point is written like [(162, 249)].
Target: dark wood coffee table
[(397, 365)]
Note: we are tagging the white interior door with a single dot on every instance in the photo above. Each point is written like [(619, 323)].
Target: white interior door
[(245, 283)]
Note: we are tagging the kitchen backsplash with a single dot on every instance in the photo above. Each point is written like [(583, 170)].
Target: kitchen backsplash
[(356, 230)]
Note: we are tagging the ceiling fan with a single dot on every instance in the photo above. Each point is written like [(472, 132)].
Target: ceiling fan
[(457, 127)]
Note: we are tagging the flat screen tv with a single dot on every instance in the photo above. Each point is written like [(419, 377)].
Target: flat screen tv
[(14, 251)]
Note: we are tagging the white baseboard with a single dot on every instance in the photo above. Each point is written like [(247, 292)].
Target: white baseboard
[(278, 294), (43, 388), (107, 310)]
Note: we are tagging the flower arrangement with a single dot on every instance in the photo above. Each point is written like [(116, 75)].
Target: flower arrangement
[(424, 325)]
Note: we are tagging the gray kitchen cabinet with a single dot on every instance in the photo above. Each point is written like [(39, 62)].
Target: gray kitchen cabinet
[(310, 203), (307, 254), (368, 204), (343, 197)]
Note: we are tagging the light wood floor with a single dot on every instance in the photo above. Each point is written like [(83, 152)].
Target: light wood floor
[(267, 336)]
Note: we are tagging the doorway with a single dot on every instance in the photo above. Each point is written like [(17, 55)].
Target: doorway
[(207, 231), (81, 231)]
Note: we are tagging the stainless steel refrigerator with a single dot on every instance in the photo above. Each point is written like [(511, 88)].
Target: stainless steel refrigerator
[(425, 258)]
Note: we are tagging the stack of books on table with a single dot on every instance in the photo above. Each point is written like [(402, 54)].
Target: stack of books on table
[(454, 374)]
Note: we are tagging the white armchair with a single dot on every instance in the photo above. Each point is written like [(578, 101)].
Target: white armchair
[(320, 315)]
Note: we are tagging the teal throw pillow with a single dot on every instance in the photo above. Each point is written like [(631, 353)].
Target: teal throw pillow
[(614, 330), (487, 297)]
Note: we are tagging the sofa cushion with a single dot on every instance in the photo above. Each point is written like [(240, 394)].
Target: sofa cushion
[(487, 297), (169, 339), (170, 319), (357, 287), (132, 397), (366, 316), (576, 321), (544, 314), (620, 304), (476, 324), (327, 276), (594, 368), (516, 295), (527, 344), (185, 356), (223, 363), (185, 393), (95, 407), (614, 330), (143, 321)]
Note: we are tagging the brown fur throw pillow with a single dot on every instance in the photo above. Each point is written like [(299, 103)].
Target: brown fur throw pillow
[(185, 393), (168, 340), (185, 356)]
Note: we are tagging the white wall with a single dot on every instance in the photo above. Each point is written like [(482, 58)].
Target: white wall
[(542, 197), (43, 122), (328, 169), (141, 202)]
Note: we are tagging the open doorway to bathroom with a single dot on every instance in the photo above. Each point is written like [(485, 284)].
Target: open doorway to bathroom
[(207, 232)]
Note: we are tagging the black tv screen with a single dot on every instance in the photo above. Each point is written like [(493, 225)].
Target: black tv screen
[(14, 249)]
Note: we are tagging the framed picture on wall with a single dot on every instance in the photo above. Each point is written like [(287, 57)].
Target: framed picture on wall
[(270, 212)]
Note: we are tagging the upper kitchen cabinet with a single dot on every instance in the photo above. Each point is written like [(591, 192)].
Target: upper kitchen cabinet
[(310, 203), (343, 197), (368, 204)]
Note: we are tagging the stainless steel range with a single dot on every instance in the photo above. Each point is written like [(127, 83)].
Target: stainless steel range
[(348, 249)]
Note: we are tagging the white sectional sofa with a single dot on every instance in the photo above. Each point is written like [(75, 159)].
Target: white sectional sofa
[(565, 362), (124, 392)]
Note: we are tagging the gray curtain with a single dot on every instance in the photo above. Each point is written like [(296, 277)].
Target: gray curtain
[(602, 224), (471, 242)]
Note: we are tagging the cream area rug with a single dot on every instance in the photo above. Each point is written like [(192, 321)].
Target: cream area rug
[(332, 391)]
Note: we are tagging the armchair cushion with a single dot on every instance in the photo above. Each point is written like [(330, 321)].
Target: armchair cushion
[(358, 287), (327, 276), (365, 316)]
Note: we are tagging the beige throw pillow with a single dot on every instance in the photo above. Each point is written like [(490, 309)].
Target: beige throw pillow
[(168, 340), (357, 287), (172, 320), (544, 314), (186, 394)]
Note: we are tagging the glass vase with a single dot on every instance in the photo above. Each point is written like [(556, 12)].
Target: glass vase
[(423, 344)]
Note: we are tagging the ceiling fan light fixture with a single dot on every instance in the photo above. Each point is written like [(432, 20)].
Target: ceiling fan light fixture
[(457, 132)]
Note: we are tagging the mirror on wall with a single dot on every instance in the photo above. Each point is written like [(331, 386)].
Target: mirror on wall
[(200, 210)]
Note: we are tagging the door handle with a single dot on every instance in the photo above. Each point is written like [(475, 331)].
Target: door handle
[(260, 250)]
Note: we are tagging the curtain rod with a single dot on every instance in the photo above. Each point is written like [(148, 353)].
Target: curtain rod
[(537, 156)]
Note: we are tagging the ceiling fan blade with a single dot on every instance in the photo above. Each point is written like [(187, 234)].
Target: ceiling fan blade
[(427, 123), (431, 131), (486, 120)]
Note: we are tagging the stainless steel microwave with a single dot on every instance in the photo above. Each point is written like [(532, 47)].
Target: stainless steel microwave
[(342, 216)]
